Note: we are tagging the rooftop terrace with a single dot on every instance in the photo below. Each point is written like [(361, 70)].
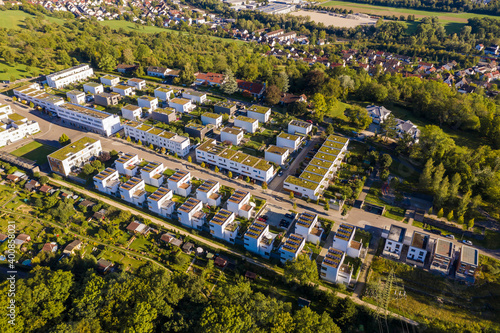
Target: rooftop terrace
[(72, 148)]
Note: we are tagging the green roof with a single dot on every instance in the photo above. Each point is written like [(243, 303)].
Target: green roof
[(155, 131), (195, 126), (328, 150), (164, 89), (211, 115), (144, 127), (225, 104), (287, 136), (334, 145), (16, 117), (301, 182), (325, 157), (246, 119), (72, 148), (320, 163), (109, 77), (166, 110), (336, 138), (315, 169), (167, 134), (311, 176), (227, 153), (263, 165), (149, 98), (131, 107), (180, 101), (210, 147), (238, 157), (92, 84), (258, 109), (232, 130), (276, 150)]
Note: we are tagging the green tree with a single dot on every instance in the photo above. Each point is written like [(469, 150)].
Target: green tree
[(190, 159), (118, 136), (202, 164), (291, 195), (386, 161), (230, 174), (264, 185), (216, 169), (441, 193), (438, 177), (329, 129), (464, 203), (358, 116), (163, 150), (326, 206), (129, 139), (64, 140), (187, 75), (107, 63), (88, 169), (425, 180), (139, 143), (460, 219), (440, 213), (454, 186), (388, 127), (32, 105), (302, 269), (43, 180), (151, 146), (449, 217), (230, 85), (307, 321), (470, 224), (273, 95), (247, 179)]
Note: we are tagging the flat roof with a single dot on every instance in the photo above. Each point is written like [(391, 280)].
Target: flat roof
[(180, 101), (238, 196), (344, 231), (311, 177), (320, 163), (333, 258), (167, 110), (276, 150), (148, 98), (221, 217), (336, 138), (292, 243), (178, 175), (211, 115), (288, 136), (86, 111), (106, 173), (396, 233), (151, 166), (131, 107), (126, 157), (232, 130), (299, 123), (189, 205), (159, 193), (92, 84), (131, 183), (469, 255), (301, 182), (207, 186), (444, 247), (259, 109), (306, 219), (311, 168), (72, 148), (419, 240), (256, 229), (246, 119)]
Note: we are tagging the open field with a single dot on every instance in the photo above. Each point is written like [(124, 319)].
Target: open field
[(335, 19), (14, 19), (34, 151), (453, 22)]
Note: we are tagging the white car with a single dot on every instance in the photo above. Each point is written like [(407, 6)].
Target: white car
[(467, 242)]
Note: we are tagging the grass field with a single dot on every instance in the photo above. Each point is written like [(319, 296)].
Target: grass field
[(453, 22), (34, 151), (14, 19)]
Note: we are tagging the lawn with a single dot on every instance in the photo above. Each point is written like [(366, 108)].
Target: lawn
[(150, 188), (34, 151), (18, 71), (374, 196), (140, 244), (14, 19), (338, 111)]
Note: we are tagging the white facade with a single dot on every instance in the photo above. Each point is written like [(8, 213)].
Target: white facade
[(152, 174), (248, 124), (443, 256), (234, 161), (231, 134), (90, 119), (107, 181), (239, 203), (298, 126), (195, 96), (333, 268), (307, 225), (148, 102), (110, 80), (223, 226), (190, 213), (33, 93), (76, 154), (76, 97), (181, 105), (418, 248), (128, 164), (258, 239), (133, 191), (395, 239), (131, 112), (276, 155), (285, 140), (261, 113), (158, 137), (211, 118), (160, 202), (68, 76), (208, 193), (180, 183), (163, 93), (14, 127), (138, 84), (123, 90), (291, 247), (93, 88)]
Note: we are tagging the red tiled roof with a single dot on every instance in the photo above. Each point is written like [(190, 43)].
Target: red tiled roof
[(210, 77), (253, 87)]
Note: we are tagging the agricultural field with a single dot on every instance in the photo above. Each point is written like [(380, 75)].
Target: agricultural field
[(335, 19), (34, 151), (14, 19)]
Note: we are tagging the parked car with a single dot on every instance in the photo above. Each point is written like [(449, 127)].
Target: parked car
[(280, 173), (261, 219), (467, 242), (435, 231), (450, 236), (265, 217), (290, 216)]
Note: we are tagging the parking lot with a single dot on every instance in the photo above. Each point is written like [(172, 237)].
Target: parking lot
[(275, 215)]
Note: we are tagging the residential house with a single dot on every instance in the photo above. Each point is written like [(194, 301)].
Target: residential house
[(196, 130), (291, 247), (286, 140), (148, 102), (239, 203), (181, 105), (258, 239), (74, 155), (409, 128), (133, 191), (31, 185), (157, 71), (287, 98), (104, 266), (128, 164), (256, 89), (299, 127), (211, 118), (76, 97), (75, 245), (195, 96), (232, 134), (395, 239), (250, 125), (307, 225), (107, 99), (68, 76), (211, 79), (89, 119), (418, 248), (261, 113), (378, 113), (468, 263), (93, 88), (126, 69), (190, 213), (131, 112), (110, 80), (344, 240), (276, 155), (333, 268), (164, 93), (50, 247), (138, 228), (152, 173), (21, 239), (171, 240), (228, 107), (138, 84), (442, 256), (107, 181), (160, 202), (165, 115), (123, 90), (180, 183), (223, 226), (208, 193)]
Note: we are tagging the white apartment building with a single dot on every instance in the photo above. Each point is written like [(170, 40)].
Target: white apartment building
[(123, 90), (76, 154), (395, 239), (291, 247), (138, 84), (128, 164), (5, 110), (468, 262), (333, 268), (418, 248), (195, 96), (14, 127), (76, 97), (180, 183), (208, 193), (133, 191), (90, 119), (131, 112), (152, 174), (248, 124), (211, 118), (234, 161), (160, 202), (239, 203), (259, 240), (307, 225), (232, 134), (33, 93), (158, 137), (344, 240), (191, 215), (68, 76), (285, 140), (443, 256), (93, 88), (163, 93), (110, 80), (181, 105), (148, 102), (276, 154), (299, 127), (261, 113), (223, 226), (107, 181)]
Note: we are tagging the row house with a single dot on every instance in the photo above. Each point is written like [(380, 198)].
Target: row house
[(442, 257), (133, 191), (258, 239), (91, 119), (180, 183), (208, 193), (418, 249), (160, 202), (74, 155), (239, 203), (68, 76), (224, 226), (128, 164), (33, 93), (107, 181), (190, 214), (14, 127)]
